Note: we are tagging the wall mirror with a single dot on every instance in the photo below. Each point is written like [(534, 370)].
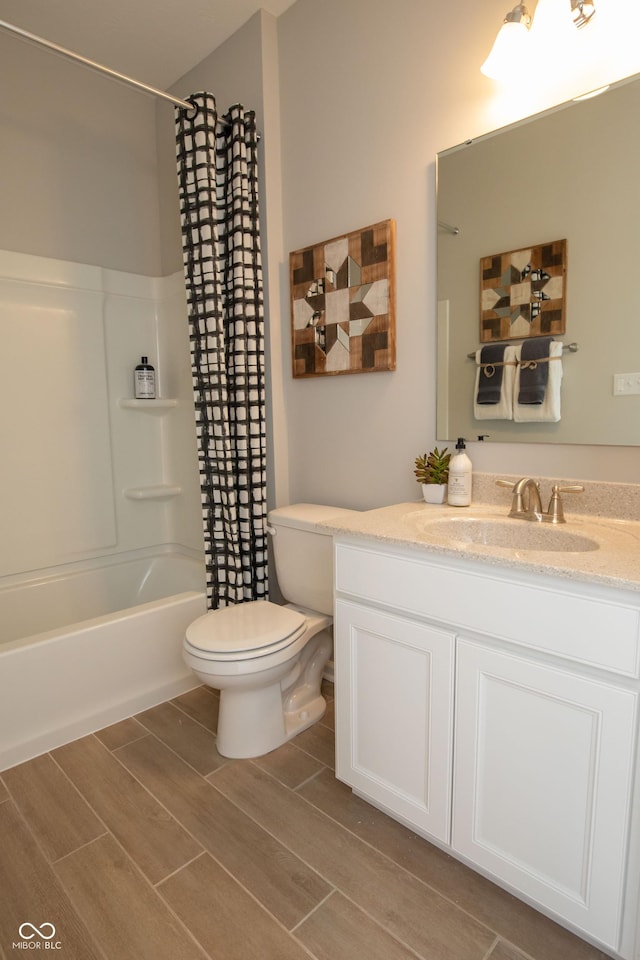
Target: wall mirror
[(570, 173)]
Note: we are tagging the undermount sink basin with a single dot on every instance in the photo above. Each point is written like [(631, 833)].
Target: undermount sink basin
[(508, 533)]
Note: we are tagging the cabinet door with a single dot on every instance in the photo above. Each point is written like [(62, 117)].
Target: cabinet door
[(542, 780), (394, 709)]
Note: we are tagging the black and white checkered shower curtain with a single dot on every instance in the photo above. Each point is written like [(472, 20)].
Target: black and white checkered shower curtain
[(218, 184)]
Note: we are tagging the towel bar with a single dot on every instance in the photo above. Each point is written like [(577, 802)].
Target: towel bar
[(571, 347)]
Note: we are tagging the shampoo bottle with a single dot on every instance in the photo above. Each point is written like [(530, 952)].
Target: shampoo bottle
[(460, 477), (144, 380)]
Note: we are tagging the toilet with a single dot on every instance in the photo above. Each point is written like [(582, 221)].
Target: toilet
[(267, 660)]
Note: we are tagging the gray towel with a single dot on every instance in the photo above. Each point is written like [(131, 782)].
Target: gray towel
[(533, 381), (490, 387)]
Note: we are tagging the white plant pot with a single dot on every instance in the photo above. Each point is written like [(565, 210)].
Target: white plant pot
[(434, 492)]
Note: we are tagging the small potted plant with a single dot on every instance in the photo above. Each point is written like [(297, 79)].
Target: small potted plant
[(432, 472)]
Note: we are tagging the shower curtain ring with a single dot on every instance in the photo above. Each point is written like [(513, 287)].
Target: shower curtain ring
[(196, 110)]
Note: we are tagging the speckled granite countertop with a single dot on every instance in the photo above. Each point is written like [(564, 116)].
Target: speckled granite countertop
[(612, 521)]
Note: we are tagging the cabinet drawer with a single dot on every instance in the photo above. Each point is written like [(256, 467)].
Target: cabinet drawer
[(562, 620)]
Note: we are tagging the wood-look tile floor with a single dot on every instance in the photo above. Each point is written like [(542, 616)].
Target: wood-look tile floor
[(141, 841)]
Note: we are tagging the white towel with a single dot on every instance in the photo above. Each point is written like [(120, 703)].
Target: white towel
[(549, 410), (503, 410)]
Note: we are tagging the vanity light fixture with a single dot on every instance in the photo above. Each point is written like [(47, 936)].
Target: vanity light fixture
[(512, 43), (582, 11)]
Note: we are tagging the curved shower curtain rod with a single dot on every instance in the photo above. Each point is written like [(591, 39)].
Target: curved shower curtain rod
[(183, 104)]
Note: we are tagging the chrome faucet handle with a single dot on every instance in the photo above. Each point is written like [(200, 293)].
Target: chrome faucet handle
[(555, 513)]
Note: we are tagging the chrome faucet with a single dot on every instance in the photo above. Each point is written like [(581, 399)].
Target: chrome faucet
[(528, 489), (526, 503)]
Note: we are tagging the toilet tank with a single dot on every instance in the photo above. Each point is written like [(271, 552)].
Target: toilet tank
[(303, 554)]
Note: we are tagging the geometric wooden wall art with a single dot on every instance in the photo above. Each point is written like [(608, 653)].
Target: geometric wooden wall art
[(343, 304), (523, 293)]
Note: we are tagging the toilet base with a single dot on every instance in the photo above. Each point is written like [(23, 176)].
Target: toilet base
[(300, 720), (252, 722)]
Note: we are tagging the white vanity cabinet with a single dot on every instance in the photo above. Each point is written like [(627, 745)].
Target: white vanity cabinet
[(496, 713)]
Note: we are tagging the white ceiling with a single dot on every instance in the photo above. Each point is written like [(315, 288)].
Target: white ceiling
[(154, 41)]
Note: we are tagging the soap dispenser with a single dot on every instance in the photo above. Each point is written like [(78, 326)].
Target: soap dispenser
[(460, 472)]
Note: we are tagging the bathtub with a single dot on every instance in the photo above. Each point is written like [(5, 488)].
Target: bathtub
[(90, 644)]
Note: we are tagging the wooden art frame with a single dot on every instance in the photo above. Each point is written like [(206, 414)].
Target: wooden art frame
[(523, 293), (343, 304)]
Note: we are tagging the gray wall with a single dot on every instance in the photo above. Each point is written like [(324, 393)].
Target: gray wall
[(354, 98), (370, 92), (233, 74), (78, 161)]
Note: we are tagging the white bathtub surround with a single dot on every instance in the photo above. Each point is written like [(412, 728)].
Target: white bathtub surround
[(122, 654), (70, 335)]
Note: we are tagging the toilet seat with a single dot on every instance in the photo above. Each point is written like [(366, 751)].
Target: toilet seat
[(244, 631)]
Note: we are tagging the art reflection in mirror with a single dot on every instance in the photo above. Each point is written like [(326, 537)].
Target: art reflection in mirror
[(570, 173), (522, 293)]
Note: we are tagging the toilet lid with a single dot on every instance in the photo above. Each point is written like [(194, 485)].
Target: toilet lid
[(244, 627)]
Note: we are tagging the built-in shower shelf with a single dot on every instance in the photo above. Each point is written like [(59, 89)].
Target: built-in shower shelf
[(158, 407), (161, 491)]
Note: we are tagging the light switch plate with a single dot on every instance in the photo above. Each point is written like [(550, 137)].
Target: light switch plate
[(626, 384)]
